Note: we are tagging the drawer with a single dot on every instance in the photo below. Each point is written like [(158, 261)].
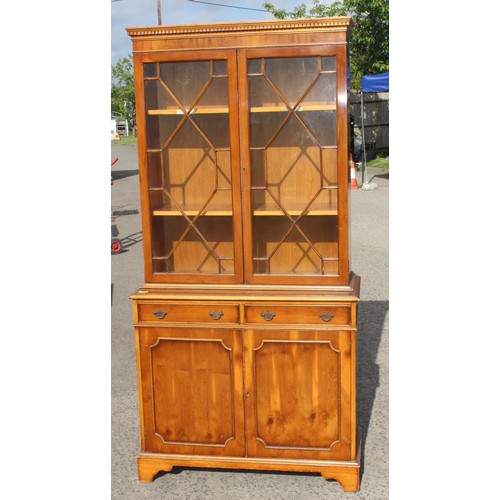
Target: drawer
[(327, 314), (188, 313)]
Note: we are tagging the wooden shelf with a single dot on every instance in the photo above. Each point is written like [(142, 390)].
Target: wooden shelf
[(195, 111), (317, 209), (209, 110), (222, 210), (260, 211), (283, 109)]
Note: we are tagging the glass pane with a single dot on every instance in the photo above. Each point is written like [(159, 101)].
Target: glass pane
[(322, 125), (292, 76), (223, 160), (157, 97), (189, 167), (160, 128), (262, 94), (307, 247), (215, 127), (184, 246), (192, 253), (220, 68), (254, 66), (185, 79), (295, 255), (257, 172), (268, 231), (214, 97), (263, 127), (328, 63), (294, 134), (329, 167), (264, 203), (293, 154), (154, 169), (293, 166), (323, 231), (322, 92), (211, 113), (150, 70)]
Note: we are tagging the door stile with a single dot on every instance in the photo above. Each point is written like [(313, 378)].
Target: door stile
[(244, 145), (143, 165)]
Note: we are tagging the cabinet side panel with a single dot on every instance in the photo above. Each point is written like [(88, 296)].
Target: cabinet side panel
[(353, 399)]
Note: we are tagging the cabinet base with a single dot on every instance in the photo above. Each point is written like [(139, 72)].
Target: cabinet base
[(345, 472)]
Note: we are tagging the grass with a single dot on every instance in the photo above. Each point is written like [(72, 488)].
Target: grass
[(127, 139), (379, 162)]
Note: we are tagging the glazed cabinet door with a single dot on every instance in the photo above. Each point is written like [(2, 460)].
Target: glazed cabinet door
[(191, 390), (294, 156), (299, 394), (189, 166)]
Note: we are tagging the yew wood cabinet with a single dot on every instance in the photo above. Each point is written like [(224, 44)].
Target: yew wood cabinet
[(245, 326)]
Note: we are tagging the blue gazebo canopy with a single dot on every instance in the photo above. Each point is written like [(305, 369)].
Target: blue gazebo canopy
[(375, 83), (371, 83)]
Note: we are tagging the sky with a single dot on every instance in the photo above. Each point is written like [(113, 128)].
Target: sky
[(126, 13)]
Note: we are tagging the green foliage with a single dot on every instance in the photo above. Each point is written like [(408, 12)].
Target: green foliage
[(369, 40), (317, 10), (379, 162), (122, 89)]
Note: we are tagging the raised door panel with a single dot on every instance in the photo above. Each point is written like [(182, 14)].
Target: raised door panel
[(299, 394), (191, 390)]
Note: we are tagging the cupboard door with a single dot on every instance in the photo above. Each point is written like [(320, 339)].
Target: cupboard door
[(294, 140), (190, 175), (299, 394), (191, 390)]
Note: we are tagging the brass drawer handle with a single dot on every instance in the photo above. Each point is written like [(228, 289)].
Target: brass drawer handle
[(160, 313), (326, 316), (268, 315), (216, 314)]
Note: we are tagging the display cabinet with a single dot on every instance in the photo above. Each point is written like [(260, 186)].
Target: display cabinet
[(246, 323)]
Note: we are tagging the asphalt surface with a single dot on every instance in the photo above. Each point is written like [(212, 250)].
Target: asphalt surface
[(369, 247)]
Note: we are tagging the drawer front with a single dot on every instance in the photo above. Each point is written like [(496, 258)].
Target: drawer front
[(328, 314), (188, 313)]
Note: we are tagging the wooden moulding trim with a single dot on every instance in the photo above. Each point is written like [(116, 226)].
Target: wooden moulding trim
[(298, 299), (345, 472), (245, 292), (292, 464), (241, 27)]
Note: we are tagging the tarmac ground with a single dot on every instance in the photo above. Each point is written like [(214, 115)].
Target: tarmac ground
[(369, 247)]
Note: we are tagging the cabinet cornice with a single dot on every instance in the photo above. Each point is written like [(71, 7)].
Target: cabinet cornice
[(327, 23)]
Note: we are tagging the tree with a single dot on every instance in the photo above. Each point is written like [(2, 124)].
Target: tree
[(369, 40), (122, 90)]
